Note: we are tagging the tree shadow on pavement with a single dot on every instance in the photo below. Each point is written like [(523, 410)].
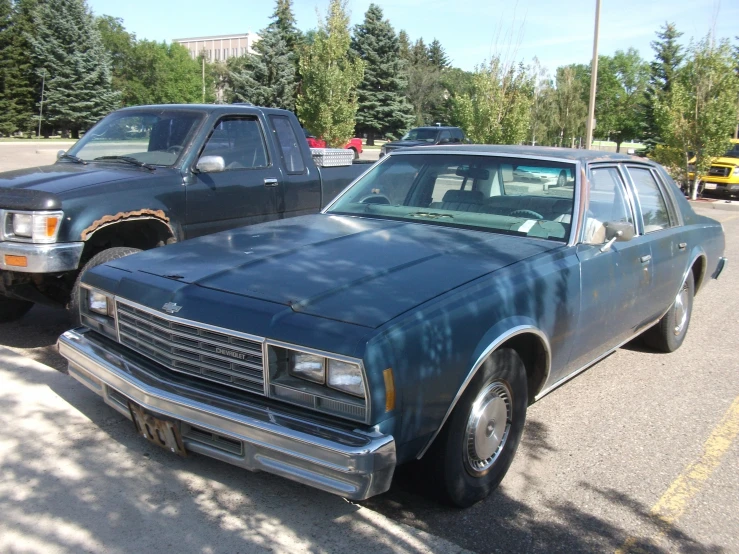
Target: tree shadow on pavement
[(35, 335)]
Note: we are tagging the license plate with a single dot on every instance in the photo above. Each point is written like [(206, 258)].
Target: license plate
[(710, 186), (165, 434)]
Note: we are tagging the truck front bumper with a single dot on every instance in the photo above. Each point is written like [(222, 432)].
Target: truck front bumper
[(26, 257), (350, 463)]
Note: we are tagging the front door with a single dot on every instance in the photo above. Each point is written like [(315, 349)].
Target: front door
[(247, 191), (615, 281)]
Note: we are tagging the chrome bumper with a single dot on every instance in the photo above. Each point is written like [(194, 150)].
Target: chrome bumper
[(352, 464), (720, 267), (42, 258)]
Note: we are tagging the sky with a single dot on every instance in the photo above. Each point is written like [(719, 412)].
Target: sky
[(556, 32)]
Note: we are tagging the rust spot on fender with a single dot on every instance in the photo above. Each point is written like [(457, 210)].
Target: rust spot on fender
[(126, 216)]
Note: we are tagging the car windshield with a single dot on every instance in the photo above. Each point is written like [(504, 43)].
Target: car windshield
[(516, 196), (148, 137), (428, 135), (734, 152)]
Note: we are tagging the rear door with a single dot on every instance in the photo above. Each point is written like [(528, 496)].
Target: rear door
[(247, 191), (616, 281)]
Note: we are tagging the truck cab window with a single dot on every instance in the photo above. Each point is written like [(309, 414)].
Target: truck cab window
[(239, 141), (289, 145)]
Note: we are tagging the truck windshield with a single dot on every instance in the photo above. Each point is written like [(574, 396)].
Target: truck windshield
[(519, 196), (149, 137), (428, 135)]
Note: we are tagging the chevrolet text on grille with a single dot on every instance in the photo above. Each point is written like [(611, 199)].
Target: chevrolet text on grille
[(231, 353)]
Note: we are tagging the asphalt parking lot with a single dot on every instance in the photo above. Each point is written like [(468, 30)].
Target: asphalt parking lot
[(639, 453)]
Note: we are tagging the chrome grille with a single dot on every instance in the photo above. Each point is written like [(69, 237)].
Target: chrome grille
[(191, 348), (718, 171)]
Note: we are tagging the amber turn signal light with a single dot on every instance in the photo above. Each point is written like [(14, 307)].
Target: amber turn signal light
[(16, 261), (51, 225), (389, 389)]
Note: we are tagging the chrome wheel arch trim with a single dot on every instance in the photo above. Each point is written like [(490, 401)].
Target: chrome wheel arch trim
[(704, 264), (502, 338)]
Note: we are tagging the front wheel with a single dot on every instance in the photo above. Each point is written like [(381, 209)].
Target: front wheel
[(475, 448), (107, 255), (669, 334), (12, 309)]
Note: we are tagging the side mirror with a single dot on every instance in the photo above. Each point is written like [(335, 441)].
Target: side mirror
[(617, 231), (60, 153), (210, 164)]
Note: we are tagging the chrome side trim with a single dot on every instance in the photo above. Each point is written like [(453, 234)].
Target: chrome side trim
[(515, 331), (596, 360), (351, 463), (42, 258), (702, 256)]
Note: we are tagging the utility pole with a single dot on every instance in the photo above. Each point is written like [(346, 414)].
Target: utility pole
[(41, 106), (203, 78), (593, 80)]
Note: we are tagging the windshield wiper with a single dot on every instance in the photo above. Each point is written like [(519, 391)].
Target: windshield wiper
[(430, 215), (128, 159), (74, 158)]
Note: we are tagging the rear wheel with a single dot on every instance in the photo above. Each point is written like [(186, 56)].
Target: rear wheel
[(12, 309), (669, 334), (475, 448), (356, 154), (107, 255)]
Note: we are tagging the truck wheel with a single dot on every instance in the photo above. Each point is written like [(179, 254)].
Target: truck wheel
[(669, 334), (100, 258), (475, 448), (356, 154), (12, 309)]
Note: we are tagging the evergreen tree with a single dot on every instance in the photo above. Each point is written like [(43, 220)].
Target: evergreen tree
[(120, 44), (383, 108), (67, 48), (269, 77), (437, 56), (419, 53), (404, 47), (327, 104), (667, 59), (20, 87)]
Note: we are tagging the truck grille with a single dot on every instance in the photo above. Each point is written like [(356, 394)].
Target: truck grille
[(192, 348), (718, 171)]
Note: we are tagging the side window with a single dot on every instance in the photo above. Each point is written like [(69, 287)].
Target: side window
[(288, 144), (457, 135), (655, 215), (445, 137), (607, 204), (239, 141)]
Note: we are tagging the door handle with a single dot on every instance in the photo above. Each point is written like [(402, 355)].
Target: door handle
[(645, 259), (270, 182), (682, 245)]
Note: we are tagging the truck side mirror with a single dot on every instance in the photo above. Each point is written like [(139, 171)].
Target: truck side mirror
[(210, 164), (60, 153)]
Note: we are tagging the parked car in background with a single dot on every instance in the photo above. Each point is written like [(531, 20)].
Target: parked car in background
[(354, 144), (426, 136), (722, 179), (147, 176), (414, 319)]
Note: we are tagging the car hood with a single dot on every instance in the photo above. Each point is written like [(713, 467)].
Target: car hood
[(724, 160), (408, 143), (62, 177), (350, 269)]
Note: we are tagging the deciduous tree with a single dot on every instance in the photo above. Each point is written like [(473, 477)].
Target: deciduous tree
[(327, 104)]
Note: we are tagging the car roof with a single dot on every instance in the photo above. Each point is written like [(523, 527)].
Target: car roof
[(565, 154), (208, 108), (435, 127)]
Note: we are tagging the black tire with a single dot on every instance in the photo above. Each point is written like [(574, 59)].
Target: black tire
[(461, 476), (562, 178), (107, 255), (12, 309), (669, 334), (356, 154)]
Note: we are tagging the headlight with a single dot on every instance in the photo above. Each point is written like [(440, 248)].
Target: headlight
[(39, 227), (308, 366), (736, 170), (346, 377), (99, 303)]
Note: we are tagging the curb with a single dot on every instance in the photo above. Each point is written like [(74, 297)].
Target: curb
[(730, 206)]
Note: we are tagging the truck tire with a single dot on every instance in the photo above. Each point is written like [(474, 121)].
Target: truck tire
[(100, 258), (12, 309)]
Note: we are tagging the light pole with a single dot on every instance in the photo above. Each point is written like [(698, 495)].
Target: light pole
[(41, 106), (593, 80)]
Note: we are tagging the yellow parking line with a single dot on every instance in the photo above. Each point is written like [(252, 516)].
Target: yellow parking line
[(674, 501)]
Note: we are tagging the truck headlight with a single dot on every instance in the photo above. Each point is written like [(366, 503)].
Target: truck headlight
[(345, 376), (736, 170), (38, 227)]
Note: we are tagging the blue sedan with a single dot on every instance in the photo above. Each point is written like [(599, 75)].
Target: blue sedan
[(412, 321)]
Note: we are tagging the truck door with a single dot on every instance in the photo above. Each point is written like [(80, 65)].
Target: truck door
[(248, 189)]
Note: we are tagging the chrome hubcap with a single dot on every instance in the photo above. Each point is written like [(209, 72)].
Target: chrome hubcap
[(488, 427), (681, 310)]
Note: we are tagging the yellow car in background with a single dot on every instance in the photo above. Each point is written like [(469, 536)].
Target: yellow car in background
[(722, 178)]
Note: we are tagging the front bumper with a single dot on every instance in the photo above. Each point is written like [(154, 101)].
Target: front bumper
[(42, 258), (228, 427)]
